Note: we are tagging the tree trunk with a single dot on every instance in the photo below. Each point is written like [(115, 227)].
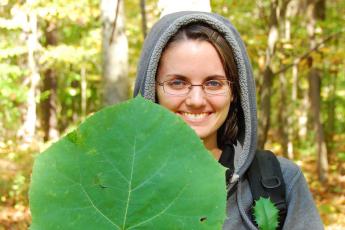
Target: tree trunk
[(300, 130), (143, 17), (320, 9), (304, 120), (27, 131), (294, 81), (283, 118), (49, 104), (331, 108), (293, 129), (83, 91), (265, 106), (286, 121), (315, 86), (115, 52), (265, 100), (314, 92)]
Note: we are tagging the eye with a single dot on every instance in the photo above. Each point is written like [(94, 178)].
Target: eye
[(177, 84), (214, 84)]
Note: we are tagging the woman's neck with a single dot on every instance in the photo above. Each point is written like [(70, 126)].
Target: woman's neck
[(211, 145)]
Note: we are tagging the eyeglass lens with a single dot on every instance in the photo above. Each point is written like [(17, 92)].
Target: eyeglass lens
[(182, 87)]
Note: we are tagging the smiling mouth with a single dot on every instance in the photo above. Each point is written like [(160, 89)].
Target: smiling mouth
[(194, 117)]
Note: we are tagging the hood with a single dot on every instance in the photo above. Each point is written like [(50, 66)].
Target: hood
[(157, 39)]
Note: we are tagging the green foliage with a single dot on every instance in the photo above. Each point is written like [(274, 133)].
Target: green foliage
[(77, 53), (12, 94), (130, 166), (341, 156), (11, 52), (266, 214), (326, 209), (13, 88), (56, 55)]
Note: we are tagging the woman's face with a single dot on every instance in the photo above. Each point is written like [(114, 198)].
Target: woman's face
[(196, 62)]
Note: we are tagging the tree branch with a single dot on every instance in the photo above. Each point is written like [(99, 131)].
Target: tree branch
[(307, 54), (111, 39)]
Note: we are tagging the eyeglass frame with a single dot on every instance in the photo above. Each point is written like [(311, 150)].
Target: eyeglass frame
[(191, 86)]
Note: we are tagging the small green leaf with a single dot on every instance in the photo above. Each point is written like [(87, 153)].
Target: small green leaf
[(266, 214)]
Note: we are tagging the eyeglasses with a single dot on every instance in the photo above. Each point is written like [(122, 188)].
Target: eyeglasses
[(179, 87)]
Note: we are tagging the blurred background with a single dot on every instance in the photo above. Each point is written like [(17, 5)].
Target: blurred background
[(61, 61)]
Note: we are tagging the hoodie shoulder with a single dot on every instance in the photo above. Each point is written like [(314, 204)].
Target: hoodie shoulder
[(302, 212)]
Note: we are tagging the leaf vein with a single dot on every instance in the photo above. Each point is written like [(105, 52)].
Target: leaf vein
[(152, 176), (115, 168), (95, 207), (161, 212), (130, 184)]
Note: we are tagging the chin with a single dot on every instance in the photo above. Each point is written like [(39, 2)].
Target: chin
[(206, 134), (201, 133)]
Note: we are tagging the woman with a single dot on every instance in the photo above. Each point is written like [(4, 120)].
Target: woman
[(195, 65)]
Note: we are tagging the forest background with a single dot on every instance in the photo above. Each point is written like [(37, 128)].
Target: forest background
[(61, 61)]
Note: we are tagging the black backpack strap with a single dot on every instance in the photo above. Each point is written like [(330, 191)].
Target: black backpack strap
[(227, 160), (266, 180)]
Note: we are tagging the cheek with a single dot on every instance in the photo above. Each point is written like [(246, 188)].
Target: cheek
[(159, 94), (223, 106), (164, 100)]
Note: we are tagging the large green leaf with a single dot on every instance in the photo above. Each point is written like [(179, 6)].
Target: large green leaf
[(130, 166)]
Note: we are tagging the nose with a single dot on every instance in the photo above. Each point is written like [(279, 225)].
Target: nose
[(196, 97)]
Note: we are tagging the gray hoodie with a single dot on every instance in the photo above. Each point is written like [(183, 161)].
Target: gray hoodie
[(302, 213)]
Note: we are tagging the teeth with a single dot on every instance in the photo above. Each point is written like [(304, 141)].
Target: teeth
[(194, 116)]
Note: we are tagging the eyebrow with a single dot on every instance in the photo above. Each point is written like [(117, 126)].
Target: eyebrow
[(176, 76), (215, 76)]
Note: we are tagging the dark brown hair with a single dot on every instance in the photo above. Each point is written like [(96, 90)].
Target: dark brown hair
[(229, 132)]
